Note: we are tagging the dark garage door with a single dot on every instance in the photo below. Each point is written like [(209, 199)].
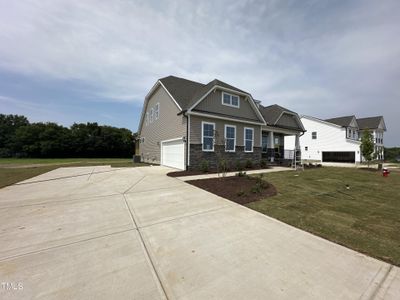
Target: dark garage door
[(345, 157)]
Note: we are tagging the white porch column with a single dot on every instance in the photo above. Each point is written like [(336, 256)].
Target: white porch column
[(271, 144)]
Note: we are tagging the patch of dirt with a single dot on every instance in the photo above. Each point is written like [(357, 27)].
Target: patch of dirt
[(370, 169), (241, 190)]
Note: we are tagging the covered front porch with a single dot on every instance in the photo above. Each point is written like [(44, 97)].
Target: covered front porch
[(274, 149)]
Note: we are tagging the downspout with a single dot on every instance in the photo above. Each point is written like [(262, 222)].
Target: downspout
[(188, 141)]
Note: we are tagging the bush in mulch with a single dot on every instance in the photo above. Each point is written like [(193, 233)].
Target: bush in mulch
[(311, 166), (206, 169), (241, 189)]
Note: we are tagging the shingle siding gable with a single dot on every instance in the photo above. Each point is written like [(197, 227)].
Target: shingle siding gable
[(213, 104)]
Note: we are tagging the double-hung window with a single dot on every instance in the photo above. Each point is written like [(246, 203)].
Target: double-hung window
[(230, 100), (157, 111), (151, 115), (264, 143), (230, 138), (207, 134), (248, 139), (314, 135)]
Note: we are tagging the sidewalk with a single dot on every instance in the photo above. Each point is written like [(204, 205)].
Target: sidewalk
[(251, 172)]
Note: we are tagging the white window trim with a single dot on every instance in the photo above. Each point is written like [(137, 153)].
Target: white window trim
[(151, 115), (147, 119), (244, 139), (202, 136), (234, 140), (230, 95), (157, 111)]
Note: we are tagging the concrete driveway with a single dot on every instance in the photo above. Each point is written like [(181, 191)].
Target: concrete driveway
[(103, 233)]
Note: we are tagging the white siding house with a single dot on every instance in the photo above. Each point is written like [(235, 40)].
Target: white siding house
[(326, 142)]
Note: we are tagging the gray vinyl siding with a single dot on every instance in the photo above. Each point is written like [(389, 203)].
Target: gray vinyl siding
[(287, 120), (168, 126), (195, 130), (213, 104)]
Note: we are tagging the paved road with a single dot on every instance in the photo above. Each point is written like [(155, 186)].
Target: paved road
[(102, 233)]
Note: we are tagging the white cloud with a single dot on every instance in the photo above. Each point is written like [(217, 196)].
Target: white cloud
[(314, 56)]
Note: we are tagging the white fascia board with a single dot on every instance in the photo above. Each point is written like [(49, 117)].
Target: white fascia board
[(321, 121), (155, 86), (293, 114), (384, 125), (355, 121), (171, 140), (211, 116), (146, 99), (255, 108)]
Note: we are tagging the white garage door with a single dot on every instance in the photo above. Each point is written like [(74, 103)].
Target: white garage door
[(173, 154)]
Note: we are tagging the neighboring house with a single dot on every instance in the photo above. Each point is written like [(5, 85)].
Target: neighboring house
[(332, 140), (377, 127), (338, 139), (185, 123)]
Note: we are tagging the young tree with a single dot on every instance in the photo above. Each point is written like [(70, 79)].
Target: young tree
[(367, 146), (219, 150)]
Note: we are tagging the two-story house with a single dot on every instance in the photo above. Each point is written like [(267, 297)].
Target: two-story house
[(185, 123), (332, 140), (338, 139), (377, 127)]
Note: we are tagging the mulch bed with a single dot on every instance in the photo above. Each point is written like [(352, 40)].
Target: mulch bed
[(198, 172), (241, 190)]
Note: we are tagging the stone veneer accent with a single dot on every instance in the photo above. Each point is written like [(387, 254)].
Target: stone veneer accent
[(197, 156)]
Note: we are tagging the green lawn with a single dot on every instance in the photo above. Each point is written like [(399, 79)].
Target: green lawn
[(365, 217), (13, 170)]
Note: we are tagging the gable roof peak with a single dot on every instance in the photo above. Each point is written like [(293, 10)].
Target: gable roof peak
[(371, 122)]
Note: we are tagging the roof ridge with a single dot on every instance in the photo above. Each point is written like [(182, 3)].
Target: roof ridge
[(181, 78), (341, 117)]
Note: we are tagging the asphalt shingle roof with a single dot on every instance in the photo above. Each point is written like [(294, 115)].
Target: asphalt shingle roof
[(341, 121), (181, 89), (369, 123), (272, 113), (187, 92)]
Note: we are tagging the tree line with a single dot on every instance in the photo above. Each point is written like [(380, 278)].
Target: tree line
[(20, 138), (392, 154)]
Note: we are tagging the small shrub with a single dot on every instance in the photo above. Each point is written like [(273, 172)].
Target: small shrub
[(263, 163), (249, 164), (222, 164), (241, 174), (256, 189), (241, 193), (260, 183), (239, 166), (204, 166)]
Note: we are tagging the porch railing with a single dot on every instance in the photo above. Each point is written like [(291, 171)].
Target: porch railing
[(288, 154)]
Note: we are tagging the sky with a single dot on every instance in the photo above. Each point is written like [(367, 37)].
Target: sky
[(69, 61)]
